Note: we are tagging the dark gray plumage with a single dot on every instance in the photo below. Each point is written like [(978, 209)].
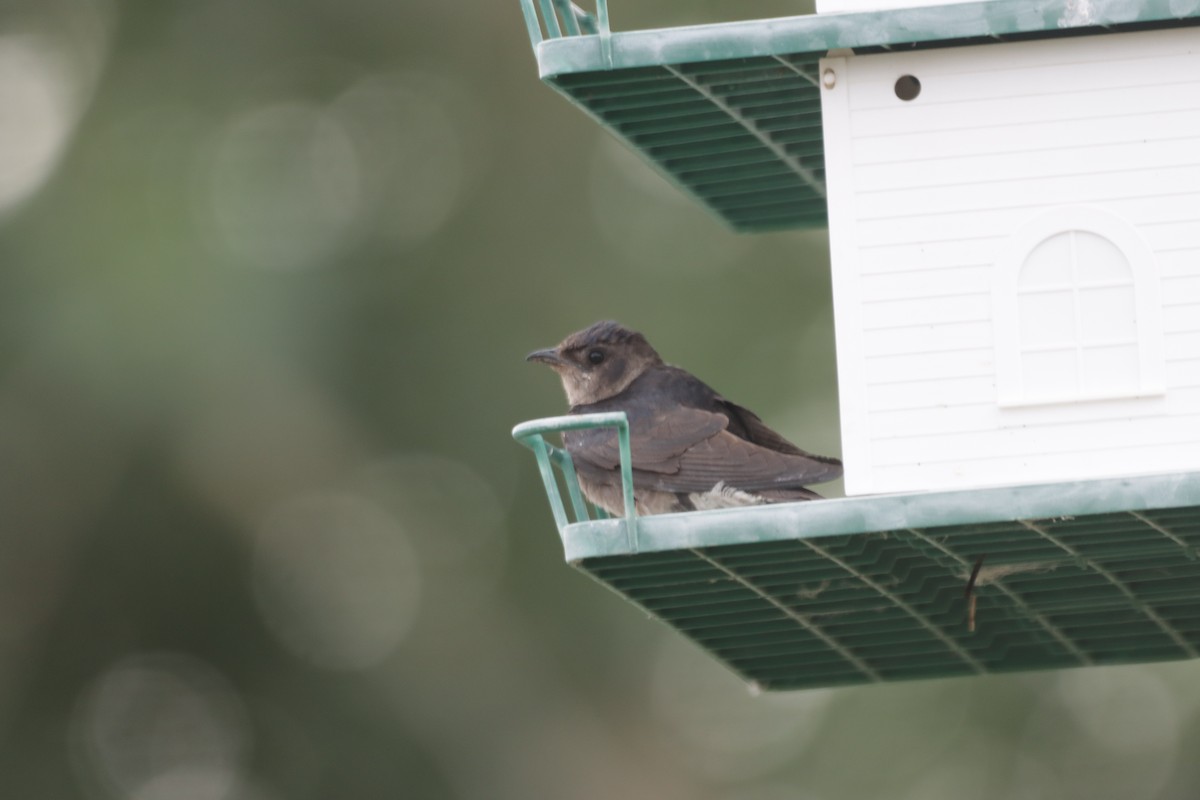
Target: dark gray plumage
[(691, 447)]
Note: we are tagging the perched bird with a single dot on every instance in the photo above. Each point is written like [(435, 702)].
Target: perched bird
[(692, 449)]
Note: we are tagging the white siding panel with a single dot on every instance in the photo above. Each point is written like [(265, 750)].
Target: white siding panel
[(973, 116), (926, 216), (1080, 437), (1028, 136), (1179, 319), (980, 418), (931, 366), (1037, 56), (910, 423), (944, 254), (1078, 77), (922, 394), (966, 279), (983, 417), (967, 227), (928, 338), (1105, 159), (1175, 213), (1183, 372), (1182, 345), (1162, 189), (1183, 400), (1039, 467), (1179, 263), (1172, 234), (927, 310), (955, 240), (1181, 290)]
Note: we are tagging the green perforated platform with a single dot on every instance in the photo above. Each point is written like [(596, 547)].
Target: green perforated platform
[(742, 136), (868, 589), (731, 112), (891, 605)]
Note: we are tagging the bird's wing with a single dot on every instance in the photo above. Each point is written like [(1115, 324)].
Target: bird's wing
[(753, 429), (657, 440), (742, 465), (689, 391), (749, 426), (689, 450)]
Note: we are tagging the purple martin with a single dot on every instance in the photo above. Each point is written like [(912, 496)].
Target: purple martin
[(692, 449)]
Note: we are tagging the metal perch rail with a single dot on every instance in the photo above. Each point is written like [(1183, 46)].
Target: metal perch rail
[(532, 435)]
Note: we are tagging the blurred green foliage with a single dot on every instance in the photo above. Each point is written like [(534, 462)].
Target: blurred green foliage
[(269, 273)]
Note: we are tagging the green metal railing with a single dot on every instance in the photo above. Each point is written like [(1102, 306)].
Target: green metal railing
[(532, 435), (564, 18)]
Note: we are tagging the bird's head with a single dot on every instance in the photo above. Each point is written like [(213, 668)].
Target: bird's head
[(598, 362)]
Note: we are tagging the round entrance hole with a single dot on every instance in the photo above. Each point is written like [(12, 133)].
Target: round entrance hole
[(907, 87)]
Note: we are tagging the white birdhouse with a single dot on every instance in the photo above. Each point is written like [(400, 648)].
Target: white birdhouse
[(1015, 237)]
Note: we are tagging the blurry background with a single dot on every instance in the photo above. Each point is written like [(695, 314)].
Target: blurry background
[(268, 271)]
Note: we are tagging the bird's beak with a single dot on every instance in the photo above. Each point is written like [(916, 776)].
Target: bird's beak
[(549, 357)]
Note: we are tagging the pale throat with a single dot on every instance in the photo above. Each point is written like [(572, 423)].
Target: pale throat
[(578, 388), (582, 388)]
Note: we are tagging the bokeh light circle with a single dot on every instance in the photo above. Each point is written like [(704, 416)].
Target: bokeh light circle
[(46, 82), (336, 580), (36, 118), (1106, 732), (1126, 712), (451, 511), (163, 727), (720, 729), (401, 126), (285, 187)]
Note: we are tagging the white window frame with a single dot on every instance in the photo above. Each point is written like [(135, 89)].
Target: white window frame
[(1010, 388)]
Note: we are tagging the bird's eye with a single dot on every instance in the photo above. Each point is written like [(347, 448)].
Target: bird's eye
[(596, 356)]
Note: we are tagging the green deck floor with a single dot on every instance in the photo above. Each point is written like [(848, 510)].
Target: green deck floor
[(875, 588), (802, 612)]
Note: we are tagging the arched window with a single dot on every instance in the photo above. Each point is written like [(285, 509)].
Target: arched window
[(1078, 313)]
